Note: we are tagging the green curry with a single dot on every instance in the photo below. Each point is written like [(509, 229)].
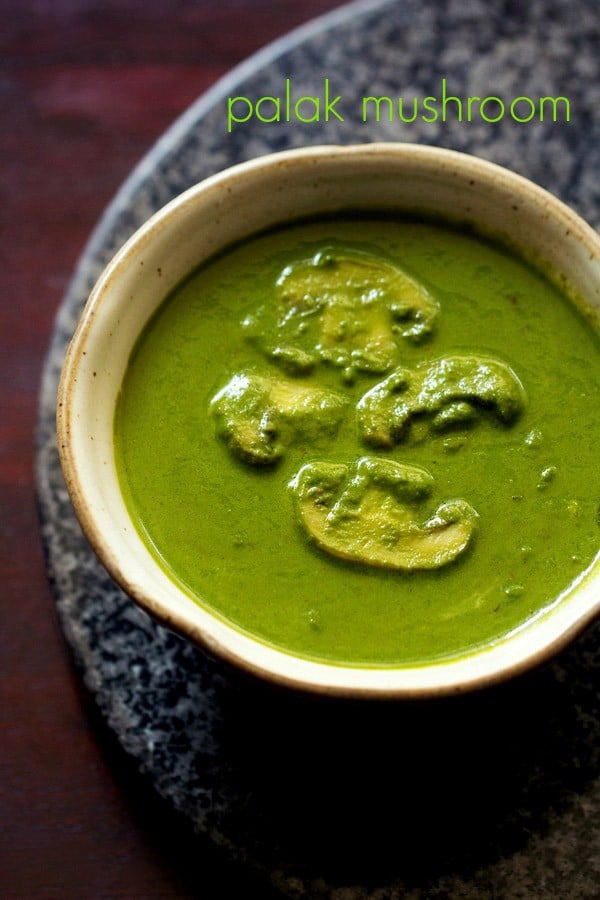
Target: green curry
[(366, 440)]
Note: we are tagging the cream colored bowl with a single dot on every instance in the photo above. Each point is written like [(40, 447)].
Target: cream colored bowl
[(226, 208)]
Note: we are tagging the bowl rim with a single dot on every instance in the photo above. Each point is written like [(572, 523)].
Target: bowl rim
[(292, 670)]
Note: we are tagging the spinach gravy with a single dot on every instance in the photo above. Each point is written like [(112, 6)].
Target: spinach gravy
[(366, 440)]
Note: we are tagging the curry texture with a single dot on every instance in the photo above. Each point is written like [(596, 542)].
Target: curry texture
[(366, 440)]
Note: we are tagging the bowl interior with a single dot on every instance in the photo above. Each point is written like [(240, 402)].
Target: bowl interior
[(224, 210)]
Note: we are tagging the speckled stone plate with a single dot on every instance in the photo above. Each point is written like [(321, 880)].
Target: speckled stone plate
[(495, 794)]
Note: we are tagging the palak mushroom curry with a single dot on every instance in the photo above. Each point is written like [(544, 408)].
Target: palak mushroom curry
[(366, 440)]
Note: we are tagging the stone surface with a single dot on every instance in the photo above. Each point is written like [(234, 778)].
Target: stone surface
[(490, 795)]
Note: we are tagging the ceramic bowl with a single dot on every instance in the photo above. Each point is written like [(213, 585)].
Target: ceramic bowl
[(231, 206)]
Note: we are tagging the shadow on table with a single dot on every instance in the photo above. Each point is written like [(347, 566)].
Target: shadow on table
[(336, 793), (190, 864), (408, 792)]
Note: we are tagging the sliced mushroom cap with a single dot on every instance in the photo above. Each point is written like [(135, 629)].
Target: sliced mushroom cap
[(369, 514), (346, 308), (260, 415), (452, 391)]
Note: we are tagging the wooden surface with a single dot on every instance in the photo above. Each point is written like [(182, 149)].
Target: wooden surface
[(86, 87)]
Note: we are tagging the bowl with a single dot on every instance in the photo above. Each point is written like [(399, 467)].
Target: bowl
[(224, 209)]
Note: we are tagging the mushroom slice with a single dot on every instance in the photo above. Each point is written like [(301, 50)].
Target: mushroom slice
[(369, 514), (347, 308), (259, 415), (452, 391)]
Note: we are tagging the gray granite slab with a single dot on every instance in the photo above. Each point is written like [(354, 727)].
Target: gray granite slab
[(494, 795)]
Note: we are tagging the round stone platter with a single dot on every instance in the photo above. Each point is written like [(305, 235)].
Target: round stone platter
[(490, 795)]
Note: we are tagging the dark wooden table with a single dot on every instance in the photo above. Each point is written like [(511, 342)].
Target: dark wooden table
[(86, 87)]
